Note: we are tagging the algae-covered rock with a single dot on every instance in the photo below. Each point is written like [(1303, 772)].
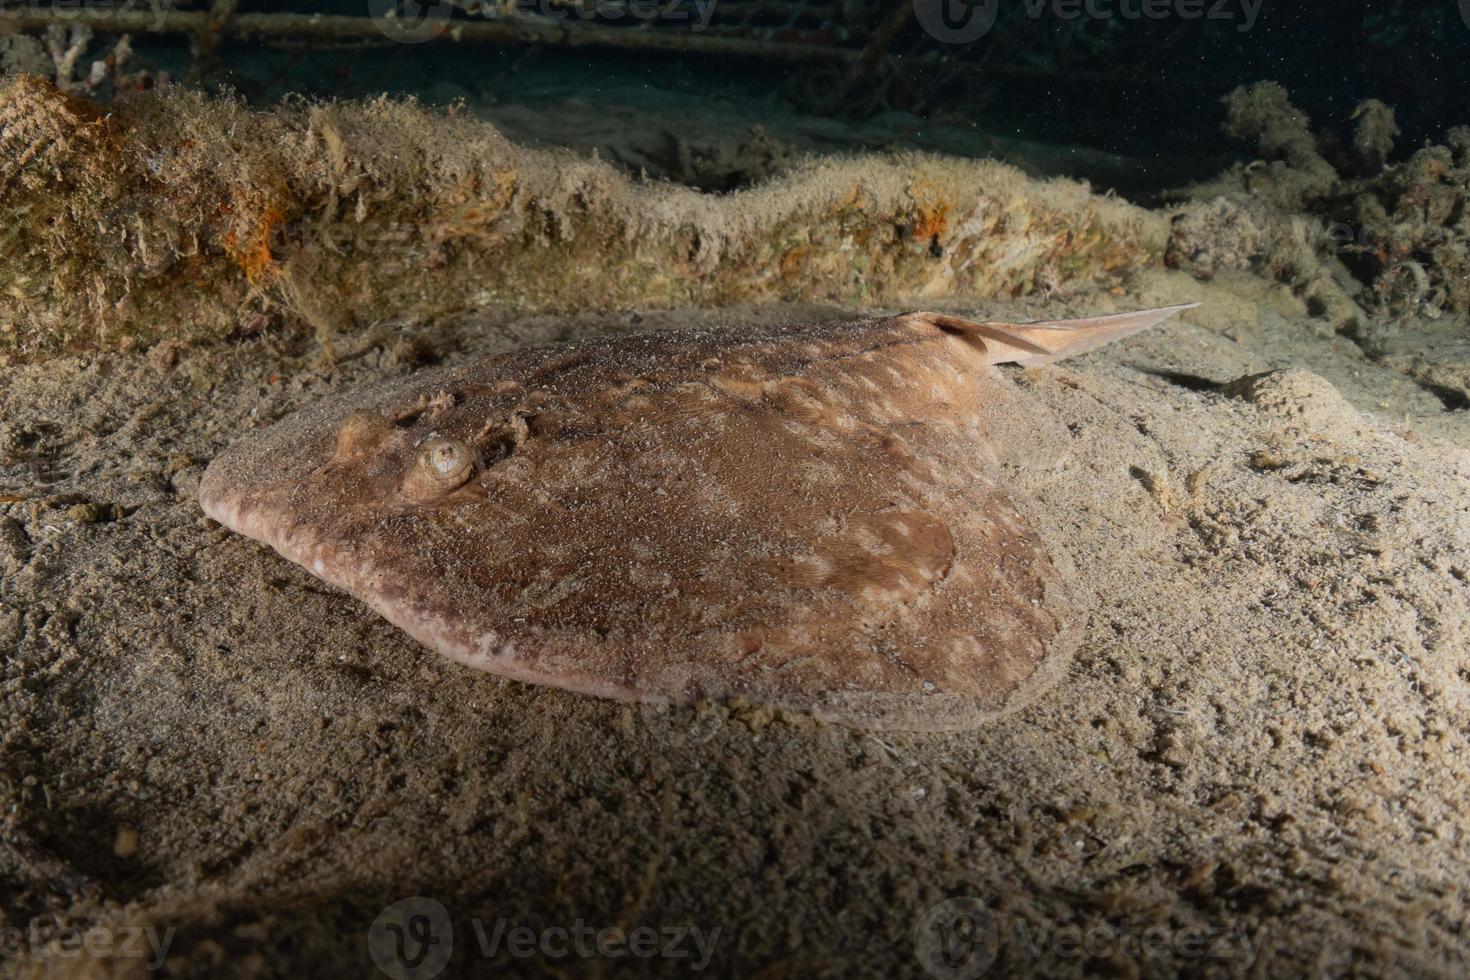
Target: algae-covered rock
[(21, 54), (1348, 230), (1220, 234), (1263, 115), (178, 215), (1374, 134)]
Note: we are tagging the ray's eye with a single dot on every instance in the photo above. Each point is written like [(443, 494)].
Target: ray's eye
[(445, 458), (439, 466)]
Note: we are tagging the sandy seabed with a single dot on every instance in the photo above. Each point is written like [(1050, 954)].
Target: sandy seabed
[(1256, 764)]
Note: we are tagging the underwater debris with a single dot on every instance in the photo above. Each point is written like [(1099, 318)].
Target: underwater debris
[(21, 54), (1263, 115), (1350, 232), (1374, 135), (178, 215), (1236, 232), (1217, 235)]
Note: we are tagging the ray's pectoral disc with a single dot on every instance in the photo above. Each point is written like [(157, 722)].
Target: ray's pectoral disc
[(805, 518)]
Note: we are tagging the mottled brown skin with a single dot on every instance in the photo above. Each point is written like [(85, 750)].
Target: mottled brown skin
[(806, 518)]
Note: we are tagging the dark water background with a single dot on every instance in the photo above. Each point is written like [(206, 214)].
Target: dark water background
[(1126, 93), (1138, 77)]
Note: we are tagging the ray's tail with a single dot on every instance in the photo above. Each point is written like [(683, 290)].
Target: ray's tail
[(1033, 344)]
